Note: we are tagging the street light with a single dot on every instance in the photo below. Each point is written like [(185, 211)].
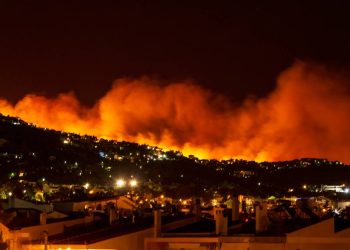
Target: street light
[(120, 183), (133, 183)]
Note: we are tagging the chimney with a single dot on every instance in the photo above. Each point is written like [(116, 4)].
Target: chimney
[(261, 219), (11, 202), (43, 217), (46, 236), (221, 221), (235, 208), (112, 215), (157, 223), (89, 218), (196, 207)]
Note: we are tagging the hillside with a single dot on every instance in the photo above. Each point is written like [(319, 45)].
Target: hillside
[(35, 154)]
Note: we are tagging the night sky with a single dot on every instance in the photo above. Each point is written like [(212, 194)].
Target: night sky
[(47, 47)]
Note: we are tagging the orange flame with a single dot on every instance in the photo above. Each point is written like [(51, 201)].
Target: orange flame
[(305, 116)]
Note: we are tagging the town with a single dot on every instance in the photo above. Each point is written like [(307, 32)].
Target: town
[(66, 191)]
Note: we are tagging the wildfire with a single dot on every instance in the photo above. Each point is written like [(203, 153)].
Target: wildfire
[(305, 116)]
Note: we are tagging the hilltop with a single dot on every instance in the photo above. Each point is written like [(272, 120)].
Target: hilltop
[(35, 154)]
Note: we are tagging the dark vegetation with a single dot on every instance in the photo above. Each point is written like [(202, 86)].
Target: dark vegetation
[(36, 154)]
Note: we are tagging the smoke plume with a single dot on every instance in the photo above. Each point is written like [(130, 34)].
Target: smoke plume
[(307, 115)]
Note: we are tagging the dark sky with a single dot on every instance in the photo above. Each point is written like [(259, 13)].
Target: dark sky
[(236, 49)]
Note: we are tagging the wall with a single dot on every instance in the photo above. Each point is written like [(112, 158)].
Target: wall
[(69, 206), (179, 223), (253, 246), (18, 203), (321, 229), (320, 236), (343, 204), (35, 232), (58, 247), (5, 232), (133, 241)]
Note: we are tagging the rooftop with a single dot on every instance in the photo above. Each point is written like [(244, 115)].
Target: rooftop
[(102, 230)]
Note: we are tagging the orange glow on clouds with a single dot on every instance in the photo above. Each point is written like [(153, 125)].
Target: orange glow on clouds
[(305, 116)]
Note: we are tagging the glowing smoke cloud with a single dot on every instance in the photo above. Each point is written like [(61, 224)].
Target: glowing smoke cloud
[(305, 116)]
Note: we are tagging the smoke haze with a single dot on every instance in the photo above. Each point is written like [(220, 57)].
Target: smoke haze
[(307, 115)]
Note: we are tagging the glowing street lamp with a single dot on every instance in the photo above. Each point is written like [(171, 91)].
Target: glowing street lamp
[(86, 186), (133, 183), (120, 183)]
